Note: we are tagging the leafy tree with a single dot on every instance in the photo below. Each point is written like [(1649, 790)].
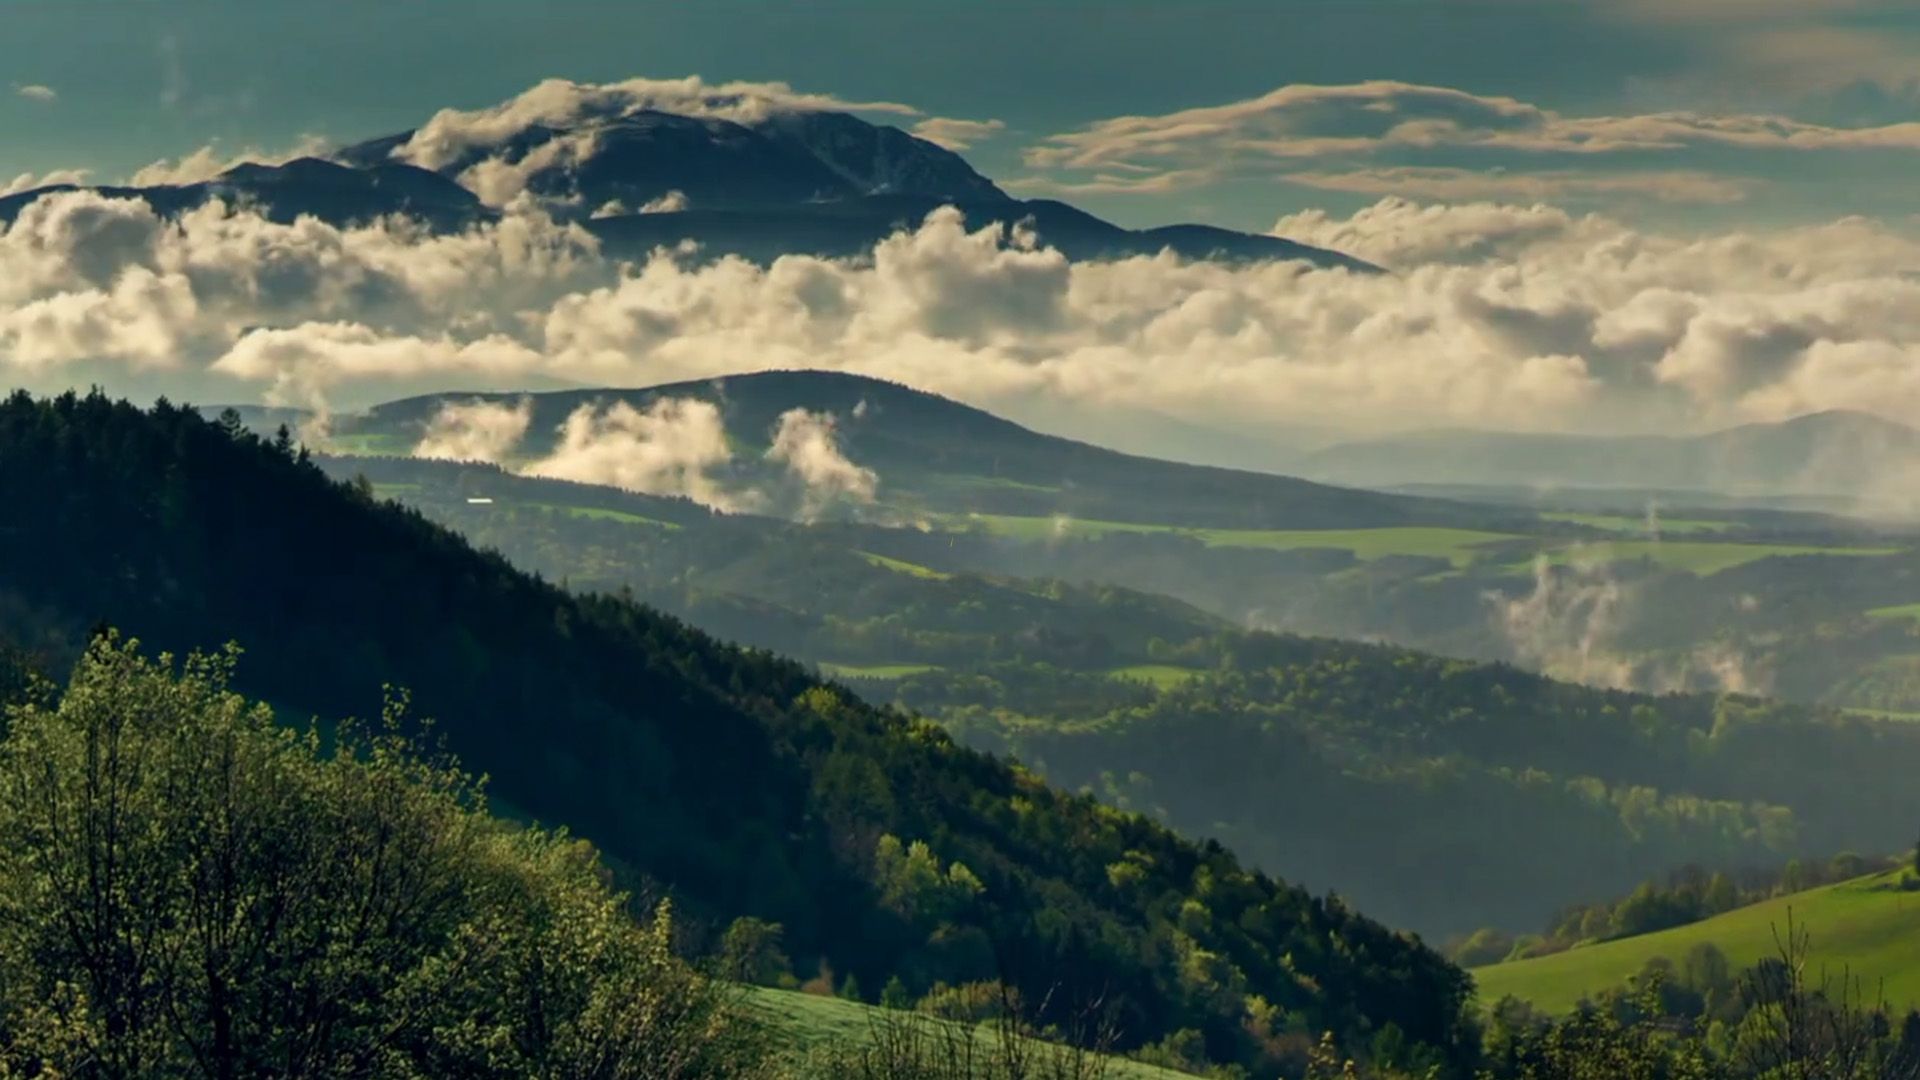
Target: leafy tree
[(188, 889), (750, 952)]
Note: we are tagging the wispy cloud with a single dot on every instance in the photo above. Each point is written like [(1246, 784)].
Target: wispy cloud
[(1467, 185), (957, 134), (36, 92), (1405, 138)]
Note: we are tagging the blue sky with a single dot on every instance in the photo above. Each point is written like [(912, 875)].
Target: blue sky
[(127, 83)]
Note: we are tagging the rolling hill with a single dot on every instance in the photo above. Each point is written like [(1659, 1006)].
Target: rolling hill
[(934, 455), (1869, 927)]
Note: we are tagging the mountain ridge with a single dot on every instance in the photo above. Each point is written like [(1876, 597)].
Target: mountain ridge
[(820, 183), (1829, 452)]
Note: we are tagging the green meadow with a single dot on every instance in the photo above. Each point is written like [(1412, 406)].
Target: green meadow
[(876, 671), (1160, 676), (598, 513), (1637, 526), (1898, 611), (901, 566), (1868, 926), (809, 1020), (1456, 545), (1703, 557)]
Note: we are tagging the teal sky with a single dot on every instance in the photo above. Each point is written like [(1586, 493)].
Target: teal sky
[(133, 82)]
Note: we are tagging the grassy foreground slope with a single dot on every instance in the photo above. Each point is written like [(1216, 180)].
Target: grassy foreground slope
[(805, 1021), (1868, 926)]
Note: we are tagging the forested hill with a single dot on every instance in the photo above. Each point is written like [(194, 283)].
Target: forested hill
[(935, 455), (732, 778)]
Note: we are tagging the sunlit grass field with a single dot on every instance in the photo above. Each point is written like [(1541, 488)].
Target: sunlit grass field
[(1637, 526), (1898, 611), (876, 671), (901, 566), (808, 1020), (1459, 546), (1868, 926)]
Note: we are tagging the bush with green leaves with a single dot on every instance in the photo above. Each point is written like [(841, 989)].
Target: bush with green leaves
[(189, 889)]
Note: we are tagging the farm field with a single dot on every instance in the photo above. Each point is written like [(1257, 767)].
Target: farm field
[(1868, 926), (1453, 544), (1898, 611), (602, 514), (876, 671), (1459, 546), (901, 566), (1637, 526), (1703, 557)]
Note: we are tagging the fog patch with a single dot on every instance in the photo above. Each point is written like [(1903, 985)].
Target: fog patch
[(477, 430), (673, 447), (808, 444), (1570, 625)]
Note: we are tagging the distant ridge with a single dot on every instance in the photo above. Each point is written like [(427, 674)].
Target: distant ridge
[(1827, 454)]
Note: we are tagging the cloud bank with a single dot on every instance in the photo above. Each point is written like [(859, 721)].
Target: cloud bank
[(1496, 315)]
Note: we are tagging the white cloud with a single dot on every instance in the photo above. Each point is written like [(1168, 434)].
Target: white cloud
[(957, 134), (808, 444), (1387, 137), (27, 181), (210, 161), (1559, 185), (1302, 121), (670, 448), (452, 135), (673, 202), (1495, 315), (35, 92), (477, 430), (301, 364)]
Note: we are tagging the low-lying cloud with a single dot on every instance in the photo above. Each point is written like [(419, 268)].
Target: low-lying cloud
[(808, 444), (477, 430), (671, 447), (1572, 624), (1494, 315)]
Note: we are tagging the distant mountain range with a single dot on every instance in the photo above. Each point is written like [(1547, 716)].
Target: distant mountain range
[(1831, 454), (819, 183)]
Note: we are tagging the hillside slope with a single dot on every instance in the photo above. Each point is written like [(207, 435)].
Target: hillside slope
[(1869, 927), (732, 779)]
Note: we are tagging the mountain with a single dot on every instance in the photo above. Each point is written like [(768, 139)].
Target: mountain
[(735, 781), (324, 189), (935, 455), (1830, 453), (820, 183), (636, 158)]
